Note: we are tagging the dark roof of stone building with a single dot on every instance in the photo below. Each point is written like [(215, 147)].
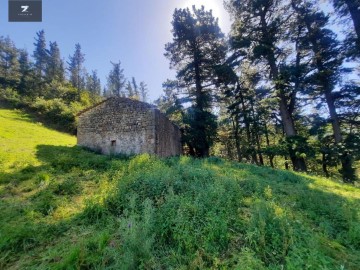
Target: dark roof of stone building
[(120, 99)]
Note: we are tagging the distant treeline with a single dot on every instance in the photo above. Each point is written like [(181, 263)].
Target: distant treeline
[(276, 90), (56, 89)]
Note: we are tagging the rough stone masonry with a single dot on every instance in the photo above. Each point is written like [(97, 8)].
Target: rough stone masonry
[(125, 126)]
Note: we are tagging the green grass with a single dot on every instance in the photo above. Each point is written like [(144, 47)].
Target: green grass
[(19, 138), (62, 207)]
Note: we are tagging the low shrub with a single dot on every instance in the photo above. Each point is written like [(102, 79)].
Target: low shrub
[(55, 110)]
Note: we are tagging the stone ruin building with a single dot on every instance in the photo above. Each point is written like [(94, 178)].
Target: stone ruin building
[(125, 126)]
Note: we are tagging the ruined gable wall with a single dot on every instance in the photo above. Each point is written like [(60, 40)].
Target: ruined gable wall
[(117, 126), (168, 137)]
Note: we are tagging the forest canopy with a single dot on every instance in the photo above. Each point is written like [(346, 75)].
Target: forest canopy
[(277, 91)]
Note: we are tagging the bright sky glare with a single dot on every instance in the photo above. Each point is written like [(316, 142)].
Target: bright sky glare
[(132, 31)]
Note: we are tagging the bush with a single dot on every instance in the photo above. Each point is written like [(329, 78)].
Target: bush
[(56, 111), (10, 95)]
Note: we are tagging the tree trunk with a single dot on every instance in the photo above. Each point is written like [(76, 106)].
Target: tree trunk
[(287, 120), (333, 115), (324, 165), (237, 139), (200, 104), (256, 137), (246, 121), (347, 170), (286, 116), (298, 163), (354, 10), (286, 164), (261, 158), (271, 157)]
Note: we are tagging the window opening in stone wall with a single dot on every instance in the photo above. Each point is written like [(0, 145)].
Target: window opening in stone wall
[(113, 143)]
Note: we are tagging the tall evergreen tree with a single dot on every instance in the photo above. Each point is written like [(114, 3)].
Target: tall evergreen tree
[(129, 90), (93, 84), (116, 80), (106, 93), (170, 104), (76, 69), (27, 74), (135, 88), (9, 64), (327, 60), (259, 28), (348, 104), (350, 9), (55, 65), (143, 91), (197, 48), (40, 54)]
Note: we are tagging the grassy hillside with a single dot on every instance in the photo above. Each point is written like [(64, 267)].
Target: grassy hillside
[(65, 208)]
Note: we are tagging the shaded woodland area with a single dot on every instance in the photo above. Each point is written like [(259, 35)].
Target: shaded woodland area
[(281, 89)]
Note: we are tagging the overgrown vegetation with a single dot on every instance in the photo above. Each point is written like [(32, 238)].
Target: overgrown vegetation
[(66, 208)]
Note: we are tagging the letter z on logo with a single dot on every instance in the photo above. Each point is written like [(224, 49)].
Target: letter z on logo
[(25, 8)]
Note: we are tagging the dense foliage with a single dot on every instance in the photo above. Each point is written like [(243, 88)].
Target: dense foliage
[(198, 47), (280, 86)]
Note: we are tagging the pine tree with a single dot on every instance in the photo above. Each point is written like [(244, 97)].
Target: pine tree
[(244, 100), (116, 80), (197, 48), (40, 55), (135, 88), (348, 103), (9, 64), (106, 93), (259, 29), (27, 74), (55, 65), (93, 84), (170, 103), (350, 9), (143, 91), (327, 60), (129, 90), (76, 69)]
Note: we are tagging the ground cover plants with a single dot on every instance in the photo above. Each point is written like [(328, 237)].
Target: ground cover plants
[(63, 207)]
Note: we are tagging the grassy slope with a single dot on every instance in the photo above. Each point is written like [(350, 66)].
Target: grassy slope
[(64, 208), (20, 136)]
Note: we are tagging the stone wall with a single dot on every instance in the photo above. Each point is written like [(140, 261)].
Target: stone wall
[(121, 125), (168, 136)]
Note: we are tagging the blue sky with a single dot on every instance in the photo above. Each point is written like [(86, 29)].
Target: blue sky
[(132, 31)]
